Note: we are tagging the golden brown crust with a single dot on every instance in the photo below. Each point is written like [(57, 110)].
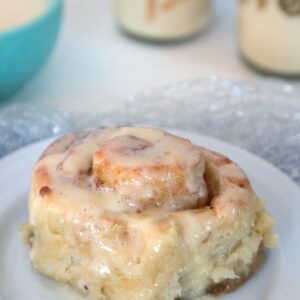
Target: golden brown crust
[(230, 285)]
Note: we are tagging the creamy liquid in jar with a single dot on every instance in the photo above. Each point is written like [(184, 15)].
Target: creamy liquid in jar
[(269, 35), (14, 13), (163, 19)]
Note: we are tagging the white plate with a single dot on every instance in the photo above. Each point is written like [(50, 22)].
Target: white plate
[(278, 279)]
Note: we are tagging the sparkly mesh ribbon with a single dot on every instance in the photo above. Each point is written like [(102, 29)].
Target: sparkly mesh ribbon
[(261, 116)]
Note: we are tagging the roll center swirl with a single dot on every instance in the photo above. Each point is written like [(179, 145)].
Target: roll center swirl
[(151, 173)]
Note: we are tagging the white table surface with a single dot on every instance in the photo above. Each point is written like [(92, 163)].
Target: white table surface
[(95, 67)]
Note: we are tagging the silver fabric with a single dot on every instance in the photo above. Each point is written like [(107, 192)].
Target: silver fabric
[(261, 116)]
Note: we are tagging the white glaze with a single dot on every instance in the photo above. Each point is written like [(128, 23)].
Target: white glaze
[(114, 244), (69, 168)]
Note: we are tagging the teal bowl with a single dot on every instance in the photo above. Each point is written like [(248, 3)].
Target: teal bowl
[(26, 48)]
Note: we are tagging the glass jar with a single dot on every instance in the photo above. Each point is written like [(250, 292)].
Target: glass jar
[(269, 35), (163, 19)]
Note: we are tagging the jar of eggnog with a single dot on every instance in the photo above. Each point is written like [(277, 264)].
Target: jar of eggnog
[(163, 19), (269, 35)]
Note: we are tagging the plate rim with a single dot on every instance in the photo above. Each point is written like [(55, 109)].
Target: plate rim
[(40, 145)]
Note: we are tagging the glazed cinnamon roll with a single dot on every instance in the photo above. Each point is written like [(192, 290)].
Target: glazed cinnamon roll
[(138, 213)]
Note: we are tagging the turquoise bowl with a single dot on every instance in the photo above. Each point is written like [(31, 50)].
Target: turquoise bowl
[(26, 48)]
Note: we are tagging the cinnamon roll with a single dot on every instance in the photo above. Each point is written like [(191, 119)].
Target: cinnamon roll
[(138, 213)]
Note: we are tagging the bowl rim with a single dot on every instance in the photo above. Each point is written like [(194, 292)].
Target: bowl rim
[(53, 4)]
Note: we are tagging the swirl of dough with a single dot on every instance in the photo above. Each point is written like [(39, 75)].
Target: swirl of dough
[(152, 173), (146, 168)]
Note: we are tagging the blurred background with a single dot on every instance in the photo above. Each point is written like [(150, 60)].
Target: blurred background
[(96, 64), (225, 69)]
